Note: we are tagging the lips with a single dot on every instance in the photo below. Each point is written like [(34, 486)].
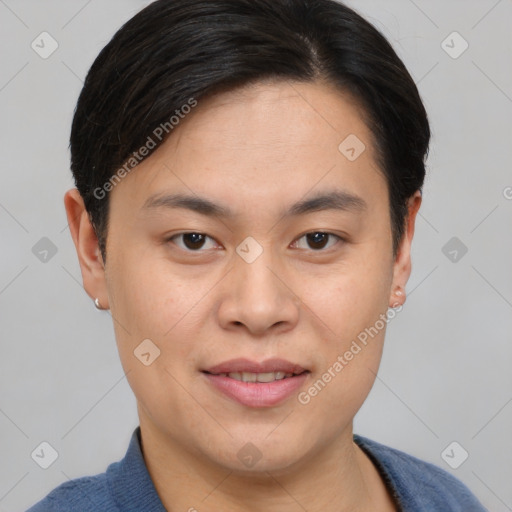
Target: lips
[(248, 366), (254, 384)]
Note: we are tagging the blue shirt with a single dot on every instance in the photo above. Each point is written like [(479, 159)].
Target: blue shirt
[(126, 486)]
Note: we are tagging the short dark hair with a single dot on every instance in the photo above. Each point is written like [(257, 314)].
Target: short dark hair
[(175, 51)]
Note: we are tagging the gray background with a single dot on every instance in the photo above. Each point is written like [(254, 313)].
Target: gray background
[(445, 374)]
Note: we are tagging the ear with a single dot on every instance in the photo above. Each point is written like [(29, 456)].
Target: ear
[(87, 248), (402, 265)]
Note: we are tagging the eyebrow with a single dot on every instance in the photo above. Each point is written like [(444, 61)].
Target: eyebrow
[(332, 200)]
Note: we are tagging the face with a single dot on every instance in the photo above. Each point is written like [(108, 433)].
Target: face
[(283, 250)]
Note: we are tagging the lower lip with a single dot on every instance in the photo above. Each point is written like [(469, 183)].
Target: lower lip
[(257, 394)]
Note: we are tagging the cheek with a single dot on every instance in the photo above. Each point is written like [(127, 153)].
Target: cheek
[(351, 297), (158, 306), (150, 303), (352, 307), (347, 363), (152, 300)]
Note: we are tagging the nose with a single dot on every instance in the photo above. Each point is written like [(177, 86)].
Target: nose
[(259, 297)]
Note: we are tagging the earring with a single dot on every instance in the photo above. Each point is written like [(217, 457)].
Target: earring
[(97, 303), (400, 294)]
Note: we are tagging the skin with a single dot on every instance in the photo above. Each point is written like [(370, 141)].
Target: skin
[(257, 150)]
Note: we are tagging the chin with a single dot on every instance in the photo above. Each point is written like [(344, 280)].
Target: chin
[(259, 456)]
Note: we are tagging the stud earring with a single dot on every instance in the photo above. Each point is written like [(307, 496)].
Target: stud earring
[(97, 303), (400, 296)]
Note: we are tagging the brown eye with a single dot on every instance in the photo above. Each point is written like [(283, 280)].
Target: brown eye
[(318, 240), (191, 241)]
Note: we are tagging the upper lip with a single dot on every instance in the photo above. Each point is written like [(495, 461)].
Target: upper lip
[(245, 365)]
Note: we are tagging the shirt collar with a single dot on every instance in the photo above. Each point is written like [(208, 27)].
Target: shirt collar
[(129, 481)]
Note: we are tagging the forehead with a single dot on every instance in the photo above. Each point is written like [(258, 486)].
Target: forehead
[(275, 113), (264, 138)]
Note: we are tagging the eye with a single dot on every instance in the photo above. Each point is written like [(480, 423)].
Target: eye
[(318, 240), (191, 241)]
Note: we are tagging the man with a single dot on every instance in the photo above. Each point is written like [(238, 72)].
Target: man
[(248, 176)]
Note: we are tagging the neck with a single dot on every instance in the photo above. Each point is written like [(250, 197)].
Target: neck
[(336, 478)]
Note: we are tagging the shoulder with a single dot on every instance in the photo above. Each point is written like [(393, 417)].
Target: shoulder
[(417, 484), (80, 494), (125, 485)]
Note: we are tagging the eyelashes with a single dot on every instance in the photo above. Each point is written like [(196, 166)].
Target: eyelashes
[(313, 237), (194, 241)]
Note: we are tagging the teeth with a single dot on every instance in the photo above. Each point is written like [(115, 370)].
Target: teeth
[(249, 377), (258, 377), (265, 377)]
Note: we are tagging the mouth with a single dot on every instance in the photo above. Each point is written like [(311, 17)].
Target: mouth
[(258, 377), (242, 365), (256, 384)]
